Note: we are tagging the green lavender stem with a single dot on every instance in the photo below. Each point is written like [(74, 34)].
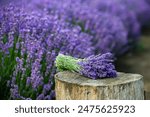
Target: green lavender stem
[(69, 63)]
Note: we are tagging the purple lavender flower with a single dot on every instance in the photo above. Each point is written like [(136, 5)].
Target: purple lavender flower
[(37, 38), (95, 67), (141, 8), (128, 17), (89, 14), (106, 30), (99, 66), (40, 97)]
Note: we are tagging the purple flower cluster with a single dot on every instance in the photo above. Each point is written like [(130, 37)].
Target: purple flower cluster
[(127, 17), (99, 66), (108, 31), (140, 8), (97, 17), (38, 39), (34, 32)]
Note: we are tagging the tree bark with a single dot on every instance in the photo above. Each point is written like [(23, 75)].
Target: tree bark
[(72, 86)]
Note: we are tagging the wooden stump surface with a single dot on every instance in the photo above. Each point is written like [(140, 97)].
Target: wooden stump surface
[(72, 86)]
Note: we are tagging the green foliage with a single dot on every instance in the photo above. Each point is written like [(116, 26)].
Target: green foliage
[(64, 62), (7, 66)]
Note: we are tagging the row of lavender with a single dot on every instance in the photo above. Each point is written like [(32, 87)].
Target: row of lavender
[(110, 22), (29, 45), (34, 32)]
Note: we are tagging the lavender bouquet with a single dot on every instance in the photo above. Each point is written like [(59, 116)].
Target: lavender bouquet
[(95, 67)]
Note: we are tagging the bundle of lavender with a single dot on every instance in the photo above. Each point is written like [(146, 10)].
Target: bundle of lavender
[(95, 67)]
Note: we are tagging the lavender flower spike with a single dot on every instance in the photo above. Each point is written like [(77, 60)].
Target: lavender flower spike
[(95, 67)]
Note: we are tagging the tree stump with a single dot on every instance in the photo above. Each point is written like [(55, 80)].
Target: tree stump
[(72, 86)]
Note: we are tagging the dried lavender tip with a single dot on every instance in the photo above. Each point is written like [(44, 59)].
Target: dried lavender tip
[(97, 67)]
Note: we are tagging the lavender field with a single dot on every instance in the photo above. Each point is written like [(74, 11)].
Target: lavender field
[(34, 32)]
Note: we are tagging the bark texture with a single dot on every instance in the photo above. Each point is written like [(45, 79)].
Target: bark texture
[(72, 86)]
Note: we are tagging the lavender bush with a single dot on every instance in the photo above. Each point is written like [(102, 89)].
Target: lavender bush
[(95, 67), (140, 7), (34, 32), (29, 45), (107, 30), (127, 17)]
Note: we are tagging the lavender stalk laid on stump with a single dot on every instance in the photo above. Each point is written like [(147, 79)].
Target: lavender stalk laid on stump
[(95, 67), (72, 82)]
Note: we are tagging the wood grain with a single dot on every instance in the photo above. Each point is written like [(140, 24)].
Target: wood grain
[(72, 86)]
